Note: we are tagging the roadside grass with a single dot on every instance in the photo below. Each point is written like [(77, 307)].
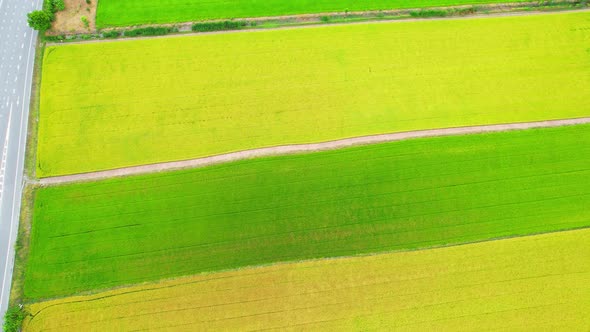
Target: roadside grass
[(22, 247), (135, 12), (13, 318), (539, 282), (396, 196), (127, 103), (33, 121)]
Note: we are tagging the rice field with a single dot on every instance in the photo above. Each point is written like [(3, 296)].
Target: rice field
[(175, 11), (127, 103), (396, 196), (534, 283)]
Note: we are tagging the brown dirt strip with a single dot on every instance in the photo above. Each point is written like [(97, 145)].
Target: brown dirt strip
[(69, 21), (302, 148)]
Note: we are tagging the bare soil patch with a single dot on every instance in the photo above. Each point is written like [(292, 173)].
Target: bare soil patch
[(69, 21)]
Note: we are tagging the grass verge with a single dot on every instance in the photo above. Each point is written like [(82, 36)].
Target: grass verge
[(34, 105), (22, 246)]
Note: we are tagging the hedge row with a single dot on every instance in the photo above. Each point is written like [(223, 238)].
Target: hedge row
[(149, 31), (218, 26)]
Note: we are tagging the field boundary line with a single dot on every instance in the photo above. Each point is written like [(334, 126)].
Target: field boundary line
[(157, 284), (303, 148), (324, 25)]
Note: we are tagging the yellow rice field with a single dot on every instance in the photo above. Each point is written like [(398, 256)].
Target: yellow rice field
[(128, 103)]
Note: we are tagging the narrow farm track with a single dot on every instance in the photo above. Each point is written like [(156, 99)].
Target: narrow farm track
[(302, 148), (308, 26)]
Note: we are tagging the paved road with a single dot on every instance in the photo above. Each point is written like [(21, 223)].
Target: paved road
[(17, 53)]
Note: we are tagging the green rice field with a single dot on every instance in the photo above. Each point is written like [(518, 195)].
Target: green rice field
[(126, 103), (133, 12), (396, 196)]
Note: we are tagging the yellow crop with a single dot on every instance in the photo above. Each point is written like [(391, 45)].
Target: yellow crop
[(125, 103)]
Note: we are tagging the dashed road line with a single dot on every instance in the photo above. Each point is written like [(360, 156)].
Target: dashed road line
[(4, 156)]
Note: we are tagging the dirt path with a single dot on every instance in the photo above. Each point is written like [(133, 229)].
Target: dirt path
[(300, 148), (309, 26)]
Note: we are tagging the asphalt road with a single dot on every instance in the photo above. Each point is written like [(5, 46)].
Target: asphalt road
[(17, 53)]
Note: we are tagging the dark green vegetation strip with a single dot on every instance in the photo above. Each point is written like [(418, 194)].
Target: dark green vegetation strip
[(401, 195), (133, 12)]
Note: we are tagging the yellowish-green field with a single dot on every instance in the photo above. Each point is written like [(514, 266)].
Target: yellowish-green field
[(536, 283), (110, 105)]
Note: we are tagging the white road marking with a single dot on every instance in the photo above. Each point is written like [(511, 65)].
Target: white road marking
[(4, 153)]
